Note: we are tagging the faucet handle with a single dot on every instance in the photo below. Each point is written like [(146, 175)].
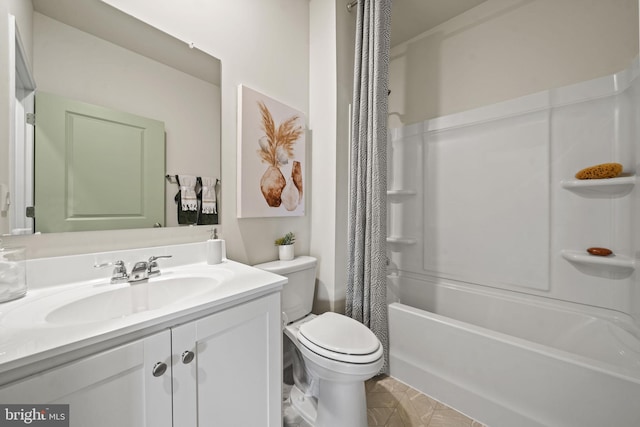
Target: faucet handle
[(152, 268), (119, 274), (155, 257)]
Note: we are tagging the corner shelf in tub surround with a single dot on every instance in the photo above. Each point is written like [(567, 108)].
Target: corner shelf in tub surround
[(401, 240), (401, 192), (619, 186), (399, 196), (613, 262)]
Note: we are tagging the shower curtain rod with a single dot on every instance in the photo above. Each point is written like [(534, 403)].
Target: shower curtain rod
[(351, 4)]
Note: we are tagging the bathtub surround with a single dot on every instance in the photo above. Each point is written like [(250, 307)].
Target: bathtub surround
[(366, 268), (505, 380), (488, 196), (489, 230)]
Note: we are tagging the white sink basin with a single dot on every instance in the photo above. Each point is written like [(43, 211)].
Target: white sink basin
[(130, 299), (87, 303)]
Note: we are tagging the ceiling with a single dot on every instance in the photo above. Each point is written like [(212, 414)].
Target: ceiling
[(103, 21), (410, 18)]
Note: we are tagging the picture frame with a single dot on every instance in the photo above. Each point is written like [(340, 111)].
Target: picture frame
[(271, 157)]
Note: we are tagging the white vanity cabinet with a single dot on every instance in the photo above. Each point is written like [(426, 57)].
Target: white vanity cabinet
[(112, 388), (235, 378), (223, 369)]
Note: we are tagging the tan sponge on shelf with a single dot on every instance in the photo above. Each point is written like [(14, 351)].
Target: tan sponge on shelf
[(605, 170)]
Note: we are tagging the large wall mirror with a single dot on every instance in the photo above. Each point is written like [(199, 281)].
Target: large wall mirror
[(88, 54)]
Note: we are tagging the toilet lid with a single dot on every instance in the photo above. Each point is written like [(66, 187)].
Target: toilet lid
[(340, 338)]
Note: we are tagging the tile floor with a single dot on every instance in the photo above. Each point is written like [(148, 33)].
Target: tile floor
[(391, 403)]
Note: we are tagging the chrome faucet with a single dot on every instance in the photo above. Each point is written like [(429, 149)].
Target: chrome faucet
[(119, 274), (153, 269), (139, 272), (142, 270)]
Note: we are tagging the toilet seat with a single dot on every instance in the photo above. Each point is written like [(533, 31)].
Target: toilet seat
[(340, 338)]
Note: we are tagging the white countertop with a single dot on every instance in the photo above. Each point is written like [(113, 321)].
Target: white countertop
[(28, 339)]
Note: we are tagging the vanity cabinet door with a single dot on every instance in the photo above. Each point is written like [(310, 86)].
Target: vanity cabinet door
[(235, 378), (113, 388)]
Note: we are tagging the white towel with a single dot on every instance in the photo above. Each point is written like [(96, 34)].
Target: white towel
[(209, 195), (188, 192)]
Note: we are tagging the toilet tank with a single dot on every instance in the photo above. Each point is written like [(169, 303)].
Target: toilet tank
[(297, 294)]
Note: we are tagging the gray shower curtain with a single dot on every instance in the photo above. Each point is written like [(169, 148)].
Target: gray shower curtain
[(366, 298)]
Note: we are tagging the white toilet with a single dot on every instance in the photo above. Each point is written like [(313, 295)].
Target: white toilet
[(332, 354)]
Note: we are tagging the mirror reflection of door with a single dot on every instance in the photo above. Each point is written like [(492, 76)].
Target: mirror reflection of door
[(20, 194), (96, 168)]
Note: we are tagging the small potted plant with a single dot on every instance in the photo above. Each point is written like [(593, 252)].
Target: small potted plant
[(285, 246)]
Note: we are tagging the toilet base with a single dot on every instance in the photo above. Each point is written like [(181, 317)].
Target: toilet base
[(341, 404), (304, 406)]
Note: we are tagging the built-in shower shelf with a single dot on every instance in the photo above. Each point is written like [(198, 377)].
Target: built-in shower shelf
[(401, 240), (401, 192), (612, 186), (400, 196), (615, 262)]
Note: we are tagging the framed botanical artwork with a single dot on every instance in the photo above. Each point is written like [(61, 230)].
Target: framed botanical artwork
[(271, 157)]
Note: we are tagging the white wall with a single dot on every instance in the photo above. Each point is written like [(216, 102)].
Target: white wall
[(332, 31), (77, 65), (504, 49), (322, 120)]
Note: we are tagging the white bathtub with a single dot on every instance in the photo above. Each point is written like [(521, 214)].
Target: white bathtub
[(515, 361)]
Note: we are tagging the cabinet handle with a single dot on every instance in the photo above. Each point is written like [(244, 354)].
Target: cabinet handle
[(187, 357), (159, 369)]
